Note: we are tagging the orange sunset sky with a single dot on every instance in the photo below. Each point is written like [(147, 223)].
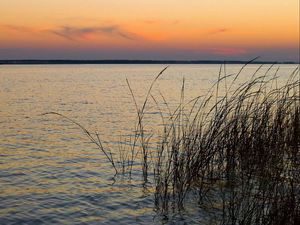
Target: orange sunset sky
[(144, 29)]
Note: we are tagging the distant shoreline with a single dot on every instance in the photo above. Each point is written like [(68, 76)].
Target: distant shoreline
[(61, 62)]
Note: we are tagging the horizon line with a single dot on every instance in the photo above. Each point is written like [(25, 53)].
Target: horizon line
[(133, 61)]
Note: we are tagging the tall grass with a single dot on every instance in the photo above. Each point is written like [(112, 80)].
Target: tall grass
[(242, 146), (238, 146)]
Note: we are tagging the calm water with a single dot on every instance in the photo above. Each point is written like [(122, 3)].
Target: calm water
[(51, 174)]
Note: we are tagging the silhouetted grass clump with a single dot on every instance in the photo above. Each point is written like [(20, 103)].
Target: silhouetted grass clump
[(236, 148), (242, 146)]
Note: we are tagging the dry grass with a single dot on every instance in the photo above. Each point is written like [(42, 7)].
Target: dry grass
[(242, 146)]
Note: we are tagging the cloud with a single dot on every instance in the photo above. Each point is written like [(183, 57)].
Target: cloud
[(73, 33), (19, 28), (219, 31)]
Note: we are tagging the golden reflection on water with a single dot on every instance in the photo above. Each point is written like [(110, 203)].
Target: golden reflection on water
[(46, 156), (61, 188)]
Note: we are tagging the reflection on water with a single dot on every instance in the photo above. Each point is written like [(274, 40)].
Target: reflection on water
[(50, 173)]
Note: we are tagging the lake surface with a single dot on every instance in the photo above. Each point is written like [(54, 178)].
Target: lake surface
[(49, 171)]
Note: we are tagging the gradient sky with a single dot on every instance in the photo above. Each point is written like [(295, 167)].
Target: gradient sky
[(149, 29)]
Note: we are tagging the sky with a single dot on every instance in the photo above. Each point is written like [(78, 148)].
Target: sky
[(150, 29)]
